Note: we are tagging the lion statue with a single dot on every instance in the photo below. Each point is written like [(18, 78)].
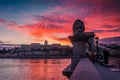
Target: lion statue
[(78, 27)]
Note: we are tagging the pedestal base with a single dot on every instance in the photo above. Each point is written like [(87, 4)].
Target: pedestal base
[(79, 47), (75, 60)]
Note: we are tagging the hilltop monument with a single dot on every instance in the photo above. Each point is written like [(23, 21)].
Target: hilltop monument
[(79, 40)]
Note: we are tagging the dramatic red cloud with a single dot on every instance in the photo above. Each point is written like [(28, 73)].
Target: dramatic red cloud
[(106, 24), (56, 23)]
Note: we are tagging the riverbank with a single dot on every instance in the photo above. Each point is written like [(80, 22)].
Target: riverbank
[(35, 57)]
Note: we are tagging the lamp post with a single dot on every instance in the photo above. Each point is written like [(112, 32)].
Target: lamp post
[(97, 48)]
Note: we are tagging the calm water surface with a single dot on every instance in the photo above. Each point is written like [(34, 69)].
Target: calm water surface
[(32, 69)]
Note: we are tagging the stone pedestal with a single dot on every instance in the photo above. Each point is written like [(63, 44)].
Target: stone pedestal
[(79, 40), (79, 47)]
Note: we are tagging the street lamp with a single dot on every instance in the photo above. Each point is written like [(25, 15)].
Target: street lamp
[(97, 38), (97, 48)]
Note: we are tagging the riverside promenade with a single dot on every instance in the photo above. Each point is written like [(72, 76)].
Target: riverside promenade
[(86, 70), (107, 73)]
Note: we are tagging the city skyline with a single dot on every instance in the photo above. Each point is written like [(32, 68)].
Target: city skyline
[(34, 21)]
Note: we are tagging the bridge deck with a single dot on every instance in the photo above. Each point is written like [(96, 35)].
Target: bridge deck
[(85, 70)]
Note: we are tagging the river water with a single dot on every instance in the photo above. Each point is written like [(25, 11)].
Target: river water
[(32, 69), (36, 69)]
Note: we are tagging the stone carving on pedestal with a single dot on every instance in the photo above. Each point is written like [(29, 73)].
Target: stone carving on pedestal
[(78, 27), (79, 40)]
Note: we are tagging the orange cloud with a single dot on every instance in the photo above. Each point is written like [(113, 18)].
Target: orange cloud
[(56, 29)]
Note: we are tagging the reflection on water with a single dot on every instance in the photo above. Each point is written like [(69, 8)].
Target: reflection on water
[(32, 69)]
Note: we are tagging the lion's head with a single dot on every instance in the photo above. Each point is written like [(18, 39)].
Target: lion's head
[(78, 27)]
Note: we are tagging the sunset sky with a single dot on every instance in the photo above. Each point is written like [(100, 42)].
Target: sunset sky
[(34, 21)]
